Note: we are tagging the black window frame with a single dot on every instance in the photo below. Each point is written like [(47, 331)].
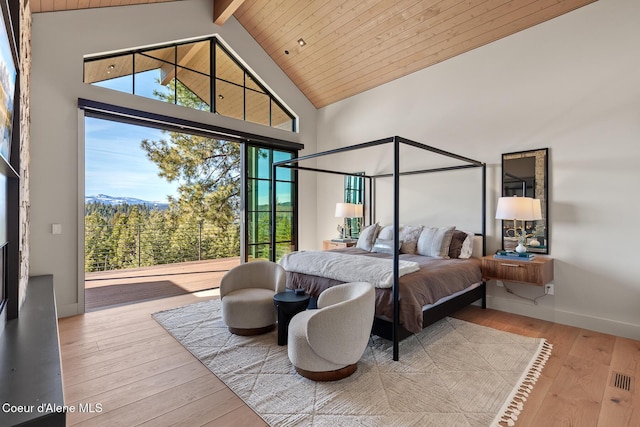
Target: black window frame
[(143, 118), (214, 43), (272, 212)]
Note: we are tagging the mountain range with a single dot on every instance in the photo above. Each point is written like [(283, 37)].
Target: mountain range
[(112, 200)]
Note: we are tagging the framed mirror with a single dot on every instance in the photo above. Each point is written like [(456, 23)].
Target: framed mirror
[(525, 173)]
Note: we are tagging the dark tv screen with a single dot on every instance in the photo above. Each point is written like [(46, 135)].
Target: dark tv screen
[(8, 75)]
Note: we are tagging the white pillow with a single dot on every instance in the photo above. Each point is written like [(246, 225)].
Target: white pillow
[(434, 241), (384, 246), (368, 237), (467, 246), (386, 232)]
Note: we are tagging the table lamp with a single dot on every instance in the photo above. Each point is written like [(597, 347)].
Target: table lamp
[(519, 209), (347, 210)]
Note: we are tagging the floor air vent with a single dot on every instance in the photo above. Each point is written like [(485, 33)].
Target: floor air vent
[(621, 381)]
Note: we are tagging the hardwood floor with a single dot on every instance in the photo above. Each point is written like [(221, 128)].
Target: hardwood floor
[(575, 386), (123, 360)]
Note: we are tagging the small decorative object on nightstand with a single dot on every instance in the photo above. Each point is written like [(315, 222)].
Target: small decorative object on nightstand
[(538, 271), (332, 244)]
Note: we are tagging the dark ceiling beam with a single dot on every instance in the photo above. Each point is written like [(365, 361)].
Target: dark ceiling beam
[(223, 9)]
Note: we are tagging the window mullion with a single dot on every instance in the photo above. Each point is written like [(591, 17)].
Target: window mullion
[(191, 78), (175, 74), (212, 73)]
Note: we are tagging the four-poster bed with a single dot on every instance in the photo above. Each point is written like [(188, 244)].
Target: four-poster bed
[(391, 328)]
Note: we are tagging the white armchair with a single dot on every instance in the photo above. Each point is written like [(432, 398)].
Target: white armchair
[(247, 292), (326, 344)]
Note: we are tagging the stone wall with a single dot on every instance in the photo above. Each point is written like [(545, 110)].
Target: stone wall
[(25, 139)]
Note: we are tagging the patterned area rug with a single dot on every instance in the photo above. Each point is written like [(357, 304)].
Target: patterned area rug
[(453, 373)]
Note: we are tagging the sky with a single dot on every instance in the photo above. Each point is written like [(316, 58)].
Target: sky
[(116, 165)]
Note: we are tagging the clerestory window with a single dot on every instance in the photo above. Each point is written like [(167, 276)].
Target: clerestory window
[(175, 72)]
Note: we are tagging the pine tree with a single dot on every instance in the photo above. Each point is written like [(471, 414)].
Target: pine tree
[(207, 171), (157, 229), (96, 242), (202, 220)]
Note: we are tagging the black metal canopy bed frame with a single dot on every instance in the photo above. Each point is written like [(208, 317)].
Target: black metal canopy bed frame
[(393, 330)]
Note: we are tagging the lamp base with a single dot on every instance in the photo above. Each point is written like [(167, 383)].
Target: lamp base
[(521, 248)]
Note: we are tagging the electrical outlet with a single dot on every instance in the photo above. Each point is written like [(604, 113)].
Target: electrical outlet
[(548, 289)]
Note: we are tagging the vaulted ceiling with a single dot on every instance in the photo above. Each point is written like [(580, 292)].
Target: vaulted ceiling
[(334, 49)]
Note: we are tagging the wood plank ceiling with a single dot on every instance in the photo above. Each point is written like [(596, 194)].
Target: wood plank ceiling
[(354, 46)]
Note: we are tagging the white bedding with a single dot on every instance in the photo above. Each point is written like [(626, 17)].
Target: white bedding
[(351, 268)]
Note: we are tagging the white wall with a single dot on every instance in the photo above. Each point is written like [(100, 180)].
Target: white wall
[(59, 41), (570, 84)]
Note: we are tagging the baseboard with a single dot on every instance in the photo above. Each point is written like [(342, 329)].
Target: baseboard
[(552, 314), (607, 326)]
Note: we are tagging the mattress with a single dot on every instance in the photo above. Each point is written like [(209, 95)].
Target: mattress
[(437, 279)]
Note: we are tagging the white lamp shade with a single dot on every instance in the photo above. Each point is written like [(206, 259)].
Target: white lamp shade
[(348, 210), (537, 209), (358, 210), (522, 208)]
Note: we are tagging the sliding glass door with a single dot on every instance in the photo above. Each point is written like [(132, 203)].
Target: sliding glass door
[(259, 205), (205, 179)]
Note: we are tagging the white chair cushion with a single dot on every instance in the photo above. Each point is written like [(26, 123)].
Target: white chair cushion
[(249, 308), (255, 274), (300, 352), (336, 334)]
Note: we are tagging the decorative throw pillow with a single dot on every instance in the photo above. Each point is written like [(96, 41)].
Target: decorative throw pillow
[(434, 241), (384, 246), (456, 243), (467, 246), (386, 232), (368, 237), (409, 236)]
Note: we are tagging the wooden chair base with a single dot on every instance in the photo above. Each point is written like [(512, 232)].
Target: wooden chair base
[(251, 331), (329, 375)]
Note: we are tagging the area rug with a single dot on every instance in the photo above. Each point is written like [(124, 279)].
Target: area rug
[(453, 373)]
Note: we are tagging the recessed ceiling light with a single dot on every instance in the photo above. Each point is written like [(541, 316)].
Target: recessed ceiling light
[(301, 42)]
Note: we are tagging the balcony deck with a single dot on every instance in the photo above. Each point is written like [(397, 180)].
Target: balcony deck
[(120, 287)]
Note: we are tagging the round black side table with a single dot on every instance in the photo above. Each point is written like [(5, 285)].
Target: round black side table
[(288, 305)]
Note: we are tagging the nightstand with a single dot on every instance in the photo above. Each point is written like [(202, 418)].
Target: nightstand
[(330, 244), (538, 271)]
